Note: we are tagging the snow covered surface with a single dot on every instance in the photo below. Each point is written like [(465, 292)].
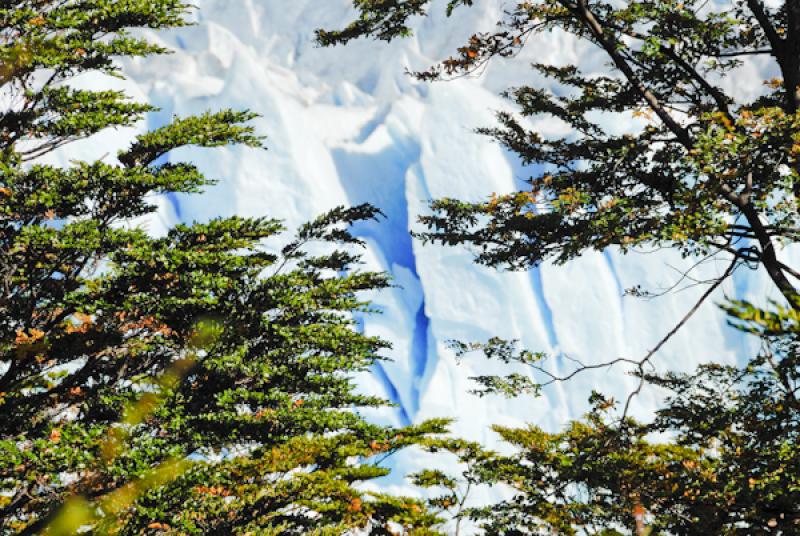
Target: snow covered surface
[(345, 126)]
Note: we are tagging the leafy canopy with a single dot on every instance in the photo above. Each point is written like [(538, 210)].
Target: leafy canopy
[(726, 462), (194, 383), (701, 169)]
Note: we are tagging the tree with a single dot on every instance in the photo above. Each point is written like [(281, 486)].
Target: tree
[(729, 463), (191, 383), (704, 173), (701, 171)]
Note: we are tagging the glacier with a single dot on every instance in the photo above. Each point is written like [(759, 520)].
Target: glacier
[(347, 125)]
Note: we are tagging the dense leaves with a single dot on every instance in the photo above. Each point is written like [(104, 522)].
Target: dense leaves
[(193, 383)]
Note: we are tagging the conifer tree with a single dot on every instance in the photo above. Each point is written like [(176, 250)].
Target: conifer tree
[(702, 170), (194, 383)]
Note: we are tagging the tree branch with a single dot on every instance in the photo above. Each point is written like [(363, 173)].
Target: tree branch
[(768, 257), (757, 8), (785, 51), (610, 46), (734, 54), (640, 368)]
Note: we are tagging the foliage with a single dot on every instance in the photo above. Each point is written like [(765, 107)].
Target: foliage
[(701, 169), (720, 457), (193, 383)]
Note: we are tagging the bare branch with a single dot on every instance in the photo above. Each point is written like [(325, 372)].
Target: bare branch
[(736, 53), (640, 367), (789, 270)]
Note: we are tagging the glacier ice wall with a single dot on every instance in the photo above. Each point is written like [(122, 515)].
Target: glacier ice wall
[(345, 126)]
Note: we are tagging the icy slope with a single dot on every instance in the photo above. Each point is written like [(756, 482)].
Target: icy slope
[(347, 126)]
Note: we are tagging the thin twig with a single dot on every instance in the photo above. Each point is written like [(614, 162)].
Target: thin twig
[(674, 330)]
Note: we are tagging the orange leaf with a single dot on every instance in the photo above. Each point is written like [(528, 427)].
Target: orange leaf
[(355, 505), (32, 336)]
